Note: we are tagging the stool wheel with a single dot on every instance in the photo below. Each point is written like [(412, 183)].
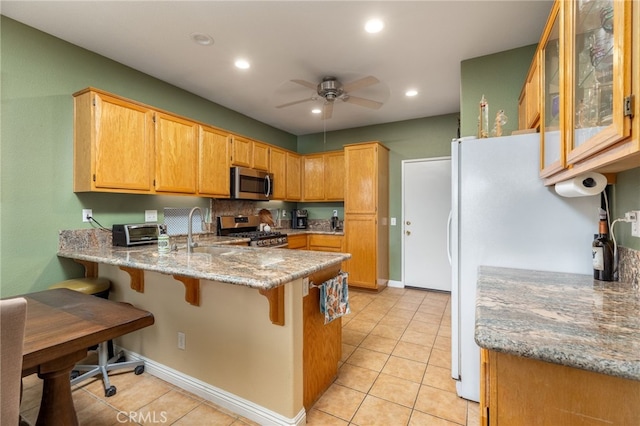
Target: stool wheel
[(110, 391), (139, 370)]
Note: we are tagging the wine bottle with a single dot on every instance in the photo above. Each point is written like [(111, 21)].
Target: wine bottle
[(602, 248)]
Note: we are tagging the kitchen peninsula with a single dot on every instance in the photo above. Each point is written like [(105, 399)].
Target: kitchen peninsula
[(559, 348), (244, 314)]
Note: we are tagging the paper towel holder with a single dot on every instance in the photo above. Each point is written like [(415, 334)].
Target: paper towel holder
[(583, 185)]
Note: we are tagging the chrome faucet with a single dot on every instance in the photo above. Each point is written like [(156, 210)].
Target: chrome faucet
[(190, 243)]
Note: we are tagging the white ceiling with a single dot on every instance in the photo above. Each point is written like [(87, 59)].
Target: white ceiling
[(421, 47)]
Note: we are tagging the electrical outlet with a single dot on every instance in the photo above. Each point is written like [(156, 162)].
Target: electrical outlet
[(284, 213), (635, 225), (151, 215), (86, 214), (305, 286), (181, 340), (393, 221)]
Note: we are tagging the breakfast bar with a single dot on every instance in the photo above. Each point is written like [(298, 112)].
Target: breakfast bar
[(233, 324), (561, 348)]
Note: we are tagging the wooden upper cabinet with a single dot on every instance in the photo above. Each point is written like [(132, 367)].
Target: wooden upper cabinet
[(278, 167), (294, 176), (313, 177), (334, 176), (213, 162), (528, 104), (260, 156), (113, 144), (361, 179), (241, 151), (176, 154)]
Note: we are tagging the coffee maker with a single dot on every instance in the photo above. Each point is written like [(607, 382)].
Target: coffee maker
[(299, 219)]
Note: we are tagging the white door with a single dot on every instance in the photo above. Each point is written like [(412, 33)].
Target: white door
[(426, 197)]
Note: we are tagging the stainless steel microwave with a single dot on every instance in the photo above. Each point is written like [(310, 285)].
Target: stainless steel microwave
[(251, 184)]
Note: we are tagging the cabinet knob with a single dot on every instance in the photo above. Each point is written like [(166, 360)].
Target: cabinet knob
[(408, 232), (408, 222)]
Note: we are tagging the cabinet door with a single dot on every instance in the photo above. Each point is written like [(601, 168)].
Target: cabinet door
[(294, 180), (361, 174), (176, 154), (123, 144), (360, 233), (214, 159), (313, 177), (241, 151), (277, 166), (260, 156), (297, 242), (334, 176), (552, 153), (599, 49), (321, 242)]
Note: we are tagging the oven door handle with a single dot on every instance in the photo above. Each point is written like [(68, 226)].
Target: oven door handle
[(267, 184)]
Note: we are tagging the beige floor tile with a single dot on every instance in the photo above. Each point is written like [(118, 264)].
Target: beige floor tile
[(395, 389), (352, 337), (388, 331), (369, 315), (395, 320), (440, 358), (422, 419), (203, 415), (379, 343), (347, 350), (405, 369), (340, 401), (359, 326), (442, 404), (428, 317), (368, 359), (442, 343), (423, 327), (401, 313), (354, 377), (473, 413), (170, 407), (408, 305), (318, 418), (92, 411), (133, 391), (445, 330), (419, 338), (440, 378), (376, 411), (412, 351)]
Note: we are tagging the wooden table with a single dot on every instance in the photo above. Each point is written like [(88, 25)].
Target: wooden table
[(61, 324)]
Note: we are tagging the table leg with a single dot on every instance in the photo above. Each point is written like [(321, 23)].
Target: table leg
[(56, 406)]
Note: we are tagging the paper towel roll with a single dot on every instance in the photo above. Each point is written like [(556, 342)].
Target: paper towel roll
[(582, 185)]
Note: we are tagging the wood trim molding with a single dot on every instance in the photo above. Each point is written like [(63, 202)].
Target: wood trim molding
[(276, 303)]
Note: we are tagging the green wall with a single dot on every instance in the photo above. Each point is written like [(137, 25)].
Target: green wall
[(39, 74), (499, 77), (419, 138), (626, 197)]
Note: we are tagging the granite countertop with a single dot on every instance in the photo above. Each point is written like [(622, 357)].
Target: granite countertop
[(261, 268), (567, 319), (309, 231)]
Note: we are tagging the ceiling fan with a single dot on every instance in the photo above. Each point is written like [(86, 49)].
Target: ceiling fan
[(330, 89)]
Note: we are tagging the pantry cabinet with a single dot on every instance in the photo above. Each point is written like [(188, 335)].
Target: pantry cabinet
[(113, 144), (177, 154), (213, 162), (516, 390), (366, 208), (590, 71)]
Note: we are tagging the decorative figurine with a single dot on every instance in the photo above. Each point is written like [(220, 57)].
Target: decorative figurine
[(483, 119), (501, 120)]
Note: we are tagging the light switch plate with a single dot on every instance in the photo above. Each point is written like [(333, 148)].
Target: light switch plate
[(151, 215)]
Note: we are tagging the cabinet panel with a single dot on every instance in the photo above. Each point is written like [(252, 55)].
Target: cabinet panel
[(176, 154), (277, 166), (294, 176), (323, 242), (313, 177), (361, 174), (113, 144), (334, 176), (361, 241), (260, 156), (297, 242), (214, 162), (241, 151)]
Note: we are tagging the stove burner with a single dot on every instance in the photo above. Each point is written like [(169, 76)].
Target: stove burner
[(256, 235)]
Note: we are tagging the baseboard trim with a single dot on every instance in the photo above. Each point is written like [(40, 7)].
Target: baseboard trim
[(395, 284), (218, 396)]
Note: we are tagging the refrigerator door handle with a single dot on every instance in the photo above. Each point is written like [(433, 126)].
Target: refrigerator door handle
[(449, 235)]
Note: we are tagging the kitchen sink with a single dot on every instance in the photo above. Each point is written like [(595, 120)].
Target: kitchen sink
[(215, 250)]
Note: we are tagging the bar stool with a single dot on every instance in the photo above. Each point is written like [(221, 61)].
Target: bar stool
[(107, 361)]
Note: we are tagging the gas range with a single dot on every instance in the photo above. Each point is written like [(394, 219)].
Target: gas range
[(248, 227)]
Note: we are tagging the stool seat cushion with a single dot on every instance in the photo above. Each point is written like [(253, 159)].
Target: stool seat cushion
[(85, 285)]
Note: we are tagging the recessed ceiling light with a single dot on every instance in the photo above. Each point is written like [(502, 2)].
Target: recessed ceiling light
[(374, 26), (411, 93), (316, 110), (202, 39), (243, 64)]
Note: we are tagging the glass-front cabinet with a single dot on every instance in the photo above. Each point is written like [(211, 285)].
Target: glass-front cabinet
[(599, 74), (552, 153)]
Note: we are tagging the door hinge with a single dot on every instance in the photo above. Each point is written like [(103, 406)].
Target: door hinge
[(627, 106), (94, 177), (154, 118), (94, 101)]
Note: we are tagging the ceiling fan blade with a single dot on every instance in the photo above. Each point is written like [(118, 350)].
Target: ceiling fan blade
[(367, 103), (327, 110), (295, 102), (360, 84), (305, 83)]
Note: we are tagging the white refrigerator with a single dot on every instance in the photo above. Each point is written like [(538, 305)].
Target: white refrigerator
[(503, 215)]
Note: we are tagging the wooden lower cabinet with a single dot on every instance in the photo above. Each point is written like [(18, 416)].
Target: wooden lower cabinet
[(322, 348), (521, 391), (369, 265), (297, 242), (323, 242)]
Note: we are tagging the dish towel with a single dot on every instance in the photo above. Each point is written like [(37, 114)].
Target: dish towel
[(334, 297)]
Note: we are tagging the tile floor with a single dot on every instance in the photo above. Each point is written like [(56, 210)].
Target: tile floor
[(394, 371)]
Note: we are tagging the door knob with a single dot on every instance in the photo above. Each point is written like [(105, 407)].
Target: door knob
[(408, 232), (408, 222)]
